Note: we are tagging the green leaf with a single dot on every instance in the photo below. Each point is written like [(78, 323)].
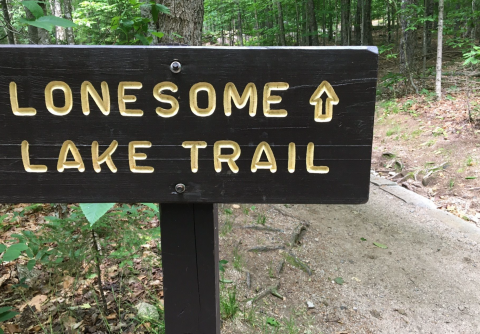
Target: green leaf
[(162, 9), (2, 248), (34, 7), (90, 276), (339, 280), (152, 206), (223, 280), (363, 239), (94, 211), (31, 264), (158, 34), (1, 331), (7, 316), (48, 22), (5, 309), (142, 39), (272, 322), (380, 245), (470, 177), (221, 265), (13, 252)]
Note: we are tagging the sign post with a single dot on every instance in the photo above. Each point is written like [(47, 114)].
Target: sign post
[(187, 127)]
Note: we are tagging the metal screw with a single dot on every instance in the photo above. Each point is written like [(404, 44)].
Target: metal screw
[(176, 67), (180, 188)]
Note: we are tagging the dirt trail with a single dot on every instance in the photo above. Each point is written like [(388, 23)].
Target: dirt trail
[(426, 281)]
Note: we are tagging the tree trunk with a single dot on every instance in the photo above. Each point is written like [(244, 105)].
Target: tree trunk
[(389, 26), (324, 22), (297, 24), (429, 4), (59, 31), (358, 23), (240, 28), (330, 27), (32, 31), (407, 41), (185, 19), (367, 23), (281, 26), (43, 35), (345, 22), (312, 24), (67, 11), (438, 79), (8, 27)]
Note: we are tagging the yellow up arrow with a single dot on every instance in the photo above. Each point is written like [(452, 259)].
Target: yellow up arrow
[(316, 100)]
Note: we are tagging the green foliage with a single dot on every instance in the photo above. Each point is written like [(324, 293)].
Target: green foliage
[(472, 57), (116, 22), (47, 22), (94, 211), (6, 314), (121, 233), (229, 305)]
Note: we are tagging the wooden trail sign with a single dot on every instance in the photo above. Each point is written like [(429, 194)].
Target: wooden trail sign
[(115, 124), (189, 126)]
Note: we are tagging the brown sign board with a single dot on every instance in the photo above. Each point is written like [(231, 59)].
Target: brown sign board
[(120, 124)]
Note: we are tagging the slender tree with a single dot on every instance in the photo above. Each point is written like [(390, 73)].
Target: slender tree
[(438, 79), (345, 32), (281, 26), (8, 24)]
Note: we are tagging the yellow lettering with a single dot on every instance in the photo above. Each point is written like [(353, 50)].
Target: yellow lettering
[(26, 161), (269, 99), (212, 99), (69, 146), (291, 157), (311, 168), (17, 111), (122, 98), (105, 157), (231, 94), (58, 111), (218, 157), (133, 156), (316, 100), (157, 93), (270, 164), (194, 146), (102, 103)]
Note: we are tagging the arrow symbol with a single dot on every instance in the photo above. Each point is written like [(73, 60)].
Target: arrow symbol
[(316, 100)]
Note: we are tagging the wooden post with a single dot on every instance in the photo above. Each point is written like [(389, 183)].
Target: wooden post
[(190, 266)]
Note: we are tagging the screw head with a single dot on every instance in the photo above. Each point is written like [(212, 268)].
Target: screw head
[(180, 188), (176, 67)]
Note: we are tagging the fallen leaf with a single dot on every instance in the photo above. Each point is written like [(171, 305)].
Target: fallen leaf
[(37, 301), (111, 316), (380, 245), (339, 280), (68, 282), (12, 328)]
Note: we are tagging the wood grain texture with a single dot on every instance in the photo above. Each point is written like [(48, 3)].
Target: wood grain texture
[(344, 144), (190, 264)]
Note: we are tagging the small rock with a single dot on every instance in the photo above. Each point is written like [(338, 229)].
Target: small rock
[(310, 305), (376, 314), (462, 308), (29, 275), (343, 308), (354, 308), (147, 311), (401, 311), (236, 206)]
